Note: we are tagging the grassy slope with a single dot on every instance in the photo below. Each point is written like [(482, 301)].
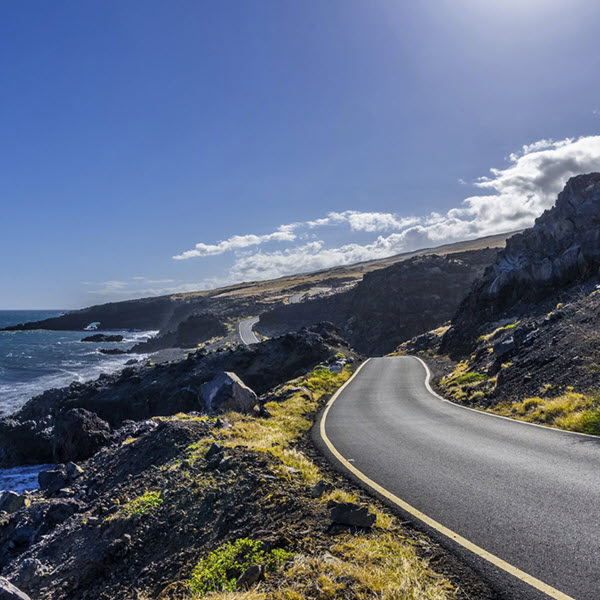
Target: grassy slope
[(383, 563)]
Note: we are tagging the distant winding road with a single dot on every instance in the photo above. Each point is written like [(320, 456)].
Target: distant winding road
[(521, 503), (245, 330)]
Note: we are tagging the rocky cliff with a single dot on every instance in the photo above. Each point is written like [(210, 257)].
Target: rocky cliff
[(537, 266), (390, 305)]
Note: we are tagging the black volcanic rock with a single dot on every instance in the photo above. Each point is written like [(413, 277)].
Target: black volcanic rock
[(78, 434), (102, 337), (192, 331), (389, 305), (46, 429), (561, 249)]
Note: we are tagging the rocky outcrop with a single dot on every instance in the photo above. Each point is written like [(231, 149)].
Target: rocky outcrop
[(390, 305), (71, 423), (188, 334), (78, 434), (561, 249), (146, 314), (102, 337)]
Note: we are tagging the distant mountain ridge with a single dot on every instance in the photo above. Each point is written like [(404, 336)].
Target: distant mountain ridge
[(166, 313)]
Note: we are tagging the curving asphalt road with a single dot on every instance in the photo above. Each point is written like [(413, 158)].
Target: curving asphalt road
[(245, 330), (528, 495)]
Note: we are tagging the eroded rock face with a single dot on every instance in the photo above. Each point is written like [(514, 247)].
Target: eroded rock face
[(563, 247)]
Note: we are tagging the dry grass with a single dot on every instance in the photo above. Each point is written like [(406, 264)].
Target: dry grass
[(570, 411), (463, 385), (381, 565), (378, 566)]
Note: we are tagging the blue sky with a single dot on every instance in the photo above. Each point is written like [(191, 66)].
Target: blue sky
[(254, 139)]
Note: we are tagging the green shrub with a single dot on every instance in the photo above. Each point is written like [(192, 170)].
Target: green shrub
[(219, 571), (591, 422), (144, 503), (467, 378)]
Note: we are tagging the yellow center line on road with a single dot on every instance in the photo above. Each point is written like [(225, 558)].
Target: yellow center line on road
[(465, 543)]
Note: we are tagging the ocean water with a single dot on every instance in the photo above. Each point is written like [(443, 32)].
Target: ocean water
[(34, 361)]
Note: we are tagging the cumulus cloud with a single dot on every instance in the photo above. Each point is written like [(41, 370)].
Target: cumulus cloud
[(508, 199), (365, 221), (512, 198), (357, 220), (284, 233)]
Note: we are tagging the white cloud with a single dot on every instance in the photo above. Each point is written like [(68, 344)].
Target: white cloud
[(516, 195), (358, 221), (510, 198), (285, 233)]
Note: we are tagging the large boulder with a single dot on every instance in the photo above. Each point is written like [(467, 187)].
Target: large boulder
[(227, 392), (78, 434), (350, 514), (52, 480)]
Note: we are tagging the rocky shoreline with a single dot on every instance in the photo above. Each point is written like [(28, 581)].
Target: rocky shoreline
[(38, 433), (141, 517)]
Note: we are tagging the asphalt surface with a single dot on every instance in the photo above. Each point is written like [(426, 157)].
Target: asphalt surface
[(245, 330), (528, 495)]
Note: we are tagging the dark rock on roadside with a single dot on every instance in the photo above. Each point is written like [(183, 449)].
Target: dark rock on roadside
[(102, 337), (251, 575), (78, 434), (350, 514), (11, 502), (320, 488), (9, 592)]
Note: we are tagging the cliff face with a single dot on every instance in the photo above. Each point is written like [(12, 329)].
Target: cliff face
[(561, 249), (390, 305)]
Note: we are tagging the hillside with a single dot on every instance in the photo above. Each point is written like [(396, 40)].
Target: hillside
[(389, 305), (228, 504), (524, 342), (185, 320)]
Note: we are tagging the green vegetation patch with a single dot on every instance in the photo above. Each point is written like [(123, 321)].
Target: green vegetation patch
[(147, 502), (467, 378), (220, 570)]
